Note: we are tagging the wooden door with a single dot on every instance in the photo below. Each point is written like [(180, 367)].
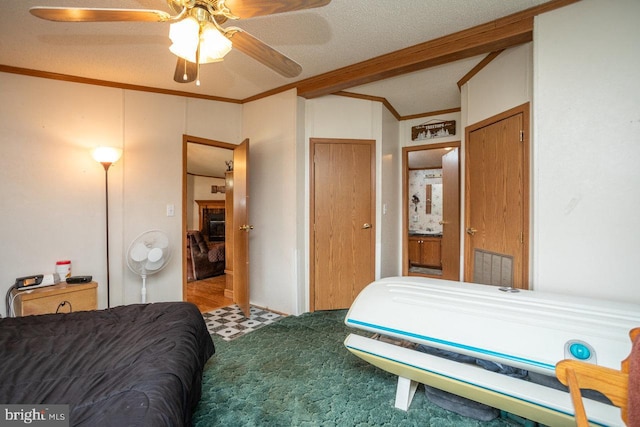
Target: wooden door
[(451, 215), (431, 252), (241, 226), (343, 213), (414, 251), (497, 201)]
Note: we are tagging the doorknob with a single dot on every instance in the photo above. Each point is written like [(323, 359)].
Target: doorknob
[(471, 231), (246, 228), (443, 222), (366, 225)]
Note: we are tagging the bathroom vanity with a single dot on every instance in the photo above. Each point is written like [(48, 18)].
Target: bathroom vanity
[(425, 250)]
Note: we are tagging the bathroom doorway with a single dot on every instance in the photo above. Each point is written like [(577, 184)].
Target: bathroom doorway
[(431, 211)]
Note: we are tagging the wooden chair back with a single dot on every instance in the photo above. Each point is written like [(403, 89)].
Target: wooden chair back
[(612, 383)]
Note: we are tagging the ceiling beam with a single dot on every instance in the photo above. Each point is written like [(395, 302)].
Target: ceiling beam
[(500, 34)]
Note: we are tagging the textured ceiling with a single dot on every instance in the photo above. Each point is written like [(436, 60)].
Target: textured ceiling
[(324, 39), (205, 160)]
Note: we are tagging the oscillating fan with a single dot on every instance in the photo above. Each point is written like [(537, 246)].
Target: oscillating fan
[(148, 254)]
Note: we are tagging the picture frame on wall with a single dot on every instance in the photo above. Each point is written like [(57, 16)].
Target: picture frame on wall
[(433, 129)]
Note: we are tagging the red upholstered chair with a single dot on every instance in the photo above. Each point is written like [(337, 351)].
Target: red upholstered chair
[(621, 387)]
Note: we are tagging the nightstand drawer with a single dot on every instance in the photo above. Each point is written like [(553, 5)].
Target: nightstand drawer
[(61, 298)]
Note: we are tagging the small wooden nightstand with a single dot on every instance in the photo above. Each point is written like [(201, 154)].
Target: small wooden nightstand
[(60, 298)]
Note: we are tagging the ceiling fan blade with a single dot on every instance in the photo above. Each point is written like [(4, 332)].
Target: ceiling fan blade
[(65, 14), (186, 71), (263, 53), (250, 8)]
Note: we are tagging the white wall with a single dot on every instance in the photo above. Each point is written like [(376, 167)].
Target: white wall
[(152, 179), (504, 83), (271, 125), (390, 198), (53, 191), (587, 150)]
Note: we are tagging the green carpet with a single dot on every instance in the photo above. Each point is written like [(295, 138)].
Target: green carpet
[(297, 372)]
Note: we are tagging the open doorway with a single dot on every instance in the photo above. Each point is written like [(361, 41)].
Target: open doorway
[(206, 249), (431, 211)]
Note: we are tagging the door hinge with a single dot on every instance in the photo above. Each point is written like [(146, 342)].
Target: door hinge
[(521, 238), (521, 136)]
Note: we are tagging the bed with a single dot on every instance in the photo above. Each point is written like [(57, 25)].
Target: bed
[(136, 365)]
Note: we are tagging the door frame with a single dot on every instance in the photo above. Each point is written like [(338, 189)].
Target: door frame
[(405, 198), (312, 207), (523, 109), (186, 139)]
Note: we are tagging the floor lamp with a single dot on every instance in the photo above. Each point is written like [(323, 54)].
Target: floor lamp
[(107, 156)]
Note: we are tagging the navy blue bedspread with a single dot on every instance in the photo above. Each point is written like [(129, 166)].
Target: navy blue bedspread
[(135, 365)]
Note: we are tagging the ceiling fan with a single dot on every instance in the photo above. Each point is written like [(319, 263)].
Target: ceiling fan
[(196, 30)]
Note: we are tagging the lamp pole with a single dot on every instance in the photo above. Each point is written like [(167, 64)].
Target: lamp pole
[(107, 156), (106, 204)]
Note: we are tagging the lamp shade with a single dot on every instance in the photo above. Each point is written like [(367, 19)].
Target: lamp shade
[(185, 35), (213, 45), (107, 154)]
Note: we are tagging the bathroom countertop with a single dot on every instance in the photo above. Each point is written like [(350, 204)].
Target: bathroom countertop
[(427, 234)]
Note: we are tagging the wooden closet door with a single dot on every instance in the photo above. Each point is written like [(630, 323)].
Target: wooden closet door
[(497, 202), (343, 211)]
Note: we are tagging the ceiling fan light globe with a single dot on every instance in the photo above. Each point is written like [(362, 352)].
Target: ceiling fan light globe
[(185, 36), (181, 53), (213, 44)]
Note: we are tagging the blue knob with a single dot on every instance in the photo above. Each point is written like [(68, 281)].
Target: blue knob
[(580, 351)]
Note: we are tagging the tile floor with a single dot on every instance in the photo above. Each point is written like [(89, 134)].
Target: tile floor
[(230, 323)]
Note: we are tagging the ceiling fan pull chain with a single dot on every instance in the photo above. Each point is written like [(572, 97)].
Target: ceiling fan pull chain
[(198, 61)]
